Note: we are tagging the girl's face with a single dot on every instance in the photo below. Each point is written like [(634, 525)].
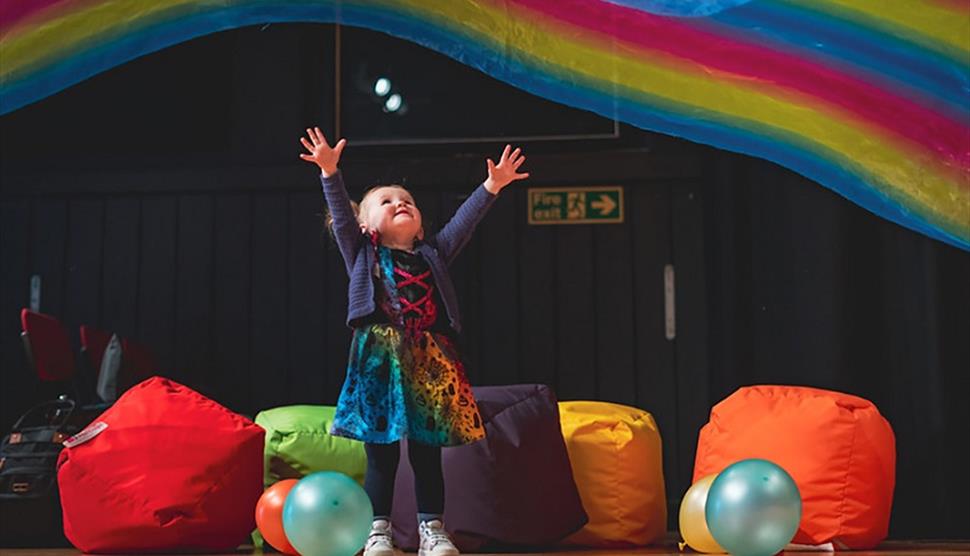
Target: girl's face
[(391, 212)]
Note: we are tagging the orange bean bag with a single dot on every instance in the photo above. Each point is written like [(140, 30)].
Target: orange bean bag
[(616, 456), (838, 448)]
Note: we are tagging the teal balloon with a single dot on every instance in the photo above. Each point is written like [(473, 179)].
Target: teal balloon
[(327, 514), (753, 508)]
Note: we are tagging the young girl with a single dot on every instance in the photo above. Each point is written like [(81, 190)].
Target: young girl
[(404, 377)]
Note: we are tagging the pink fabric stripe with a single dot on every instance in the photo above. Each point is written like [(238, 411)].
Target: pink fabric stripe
[(15, 11), (918, 126), (24, 12)]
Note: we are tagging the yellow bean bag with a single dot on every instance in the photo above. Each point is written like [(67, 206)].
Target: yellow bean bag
[(617, 462)]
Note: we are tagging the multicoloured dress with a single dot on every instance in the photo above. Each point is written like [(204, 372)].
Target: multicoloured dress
[(406, 381)]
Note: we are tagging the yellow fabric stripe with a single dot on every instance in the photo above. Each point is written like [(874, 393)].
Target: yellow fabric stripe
[(25, 47)]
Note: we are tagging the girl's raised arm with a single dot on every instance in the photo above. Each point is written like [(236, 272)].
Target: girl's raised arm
[(346, 230), (456, 233)]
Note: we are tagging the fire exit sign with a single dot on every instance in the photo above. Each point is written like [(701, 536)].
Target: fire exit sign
[(576, 205)]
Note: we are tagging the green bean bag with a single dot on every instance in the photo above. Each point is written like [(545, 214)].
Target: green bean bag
[(298, 442)]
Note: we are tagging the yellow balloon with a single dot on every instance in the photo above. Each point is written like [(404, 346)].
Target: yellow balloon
[(693, 524)]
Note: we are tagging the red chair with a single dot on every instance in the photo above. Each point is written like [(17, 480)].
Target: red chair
[(137, 360), (49, 352), (105, 380), (47, 346), (93, 343), (138, 363)]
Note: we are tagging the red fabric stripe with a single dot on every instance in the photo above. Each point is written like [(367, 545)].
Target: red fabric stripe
[(955, 5)]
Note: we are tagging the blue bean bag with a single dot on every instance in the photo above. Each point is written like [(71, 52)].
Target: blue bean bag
[(512, 489)]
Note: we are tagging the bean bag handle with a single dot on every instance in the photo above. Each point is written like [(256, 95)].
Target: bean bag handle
[(55, 414)]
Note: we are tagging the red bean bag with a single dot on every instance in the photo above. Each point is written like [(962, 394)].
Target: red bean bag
[(838, 448), (163, 469)]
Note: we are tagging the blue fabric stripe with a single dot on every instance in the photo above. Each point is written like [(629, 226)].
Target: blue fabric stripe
[(835, 41), (681, 8)]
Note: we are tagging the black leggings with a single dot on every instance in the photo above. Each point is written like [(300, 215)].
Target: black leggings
[(429, 484)]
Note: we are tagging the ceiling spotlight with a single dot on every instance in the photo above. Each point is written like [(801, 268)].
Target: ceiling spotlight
[(393, 103), (382, 86)]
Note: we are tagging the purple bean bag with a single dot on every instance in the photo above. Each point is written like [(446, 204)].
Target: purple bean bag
[(513, 489)]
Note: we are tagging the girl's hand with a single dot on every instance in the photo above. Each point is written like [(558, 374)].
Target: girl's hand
[(505, 172), (320, 152)]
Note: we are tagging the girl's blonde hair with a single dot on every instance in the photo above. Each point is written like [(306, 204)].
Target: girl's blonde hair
[(328, 217)]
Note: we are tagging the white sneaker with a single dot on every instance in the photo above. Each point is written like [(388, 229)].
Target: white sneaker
[(434, 540), (379, 542)]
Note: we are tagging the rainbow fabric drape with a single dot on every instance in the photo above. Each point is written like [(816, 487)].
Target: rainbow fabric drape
[(869, 98)]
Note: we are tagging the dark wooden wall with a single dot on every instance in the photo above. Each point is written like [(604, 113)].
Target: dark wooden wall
[(241, 295)]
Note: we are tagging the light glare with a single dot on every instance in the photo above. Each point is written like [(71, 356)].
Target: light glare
[(382, 86), (393, 103)]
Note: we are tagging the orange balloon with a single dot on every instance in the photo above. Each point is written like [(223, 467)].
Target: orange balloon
[(269, 515)]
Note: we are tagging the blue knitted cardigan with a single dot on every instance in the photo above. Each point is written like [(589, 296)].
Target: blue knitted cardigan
[(439, 251)]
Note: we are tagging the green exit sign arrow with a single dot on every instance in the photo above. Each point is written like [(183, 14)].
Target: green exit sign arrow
[(576, 205)]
